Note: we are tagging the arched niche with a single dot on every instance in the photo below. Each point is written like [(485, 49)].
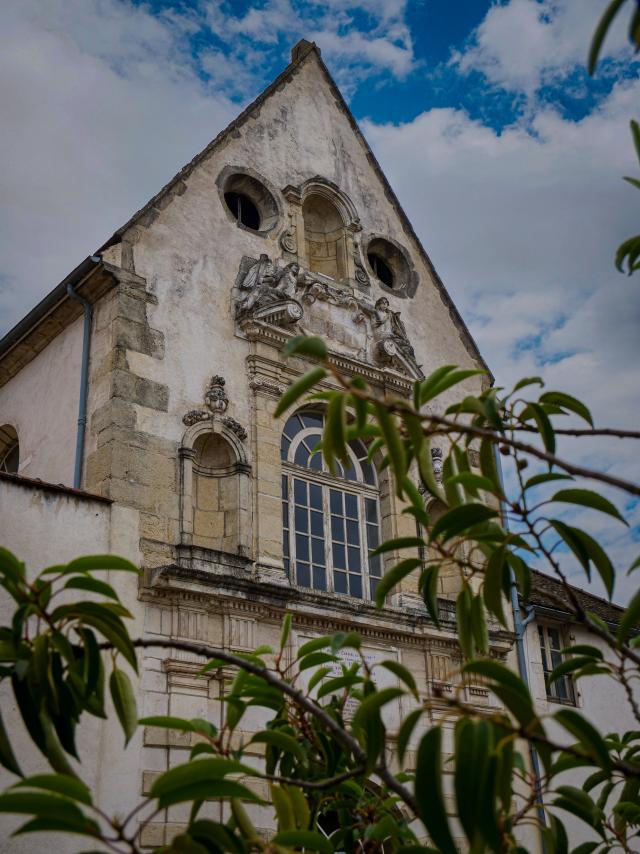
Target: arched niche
[(215, 483), (9, 449), (325, 236)]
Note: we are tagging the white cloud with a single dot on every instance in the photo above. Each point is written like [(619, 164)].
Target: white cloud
[(523, 44), (522, 226), (100, 106)]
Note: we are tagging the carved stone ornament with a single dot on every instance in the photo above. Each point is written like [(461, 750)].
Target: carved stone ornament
[(288, 240), (361, 274), (217, 402), (436, 463), (274, 294), (266, 292), (215, 396), (391, 343), (194, 416), (235, 427)]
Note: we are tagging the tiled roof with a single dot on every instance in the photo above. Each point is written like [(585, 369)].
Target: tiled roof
[(548, 592)]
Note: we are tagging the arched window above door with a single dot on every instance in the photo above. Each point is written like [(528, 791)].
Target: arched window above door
[(330, 522)]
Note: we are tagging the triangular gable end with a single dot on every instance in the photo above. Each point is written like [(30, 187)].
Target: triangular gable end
[(302, 52)]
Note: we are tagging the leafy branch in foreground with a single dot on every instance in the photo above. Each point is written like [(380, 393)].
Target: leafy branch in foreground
[(326, 752)]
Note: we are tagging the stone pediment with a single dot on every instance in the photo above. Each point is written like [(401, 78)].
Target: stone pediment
[(271, 296)]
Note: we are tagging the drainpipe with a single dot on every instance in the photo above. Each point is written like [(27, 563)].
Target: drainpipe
[(84, 382), (520, 627)]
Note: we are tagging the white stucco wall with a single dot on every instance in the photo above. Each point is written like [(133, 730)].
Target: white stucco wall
[(41, 402), (600, 699)]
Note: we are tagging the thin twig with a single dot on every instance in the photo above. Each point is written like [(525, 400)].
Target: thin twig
[(340, 734)]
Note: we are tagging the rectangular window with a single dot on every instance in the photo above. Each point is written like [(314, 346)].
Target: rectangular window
[(309, 537), (327, 535), (551, 645)]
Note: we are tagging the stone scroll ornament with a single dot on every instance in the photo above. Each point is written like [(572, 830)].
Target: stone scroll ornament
[(267, 292)]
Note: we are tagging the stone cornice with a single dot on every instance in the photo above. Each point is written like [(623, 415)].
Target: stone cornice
[(273, 375), (314, 611)]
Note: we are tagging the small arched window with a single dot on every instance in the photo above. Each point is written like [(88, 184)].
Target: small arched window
[(330, 522), (9, 449)]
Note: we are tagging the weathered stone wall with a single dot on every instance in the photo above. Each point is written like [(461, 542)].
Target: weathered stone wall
[(41, 402)]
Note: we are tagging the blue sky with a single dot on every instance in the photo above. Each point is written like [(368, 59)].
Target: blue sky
[(505, 155)]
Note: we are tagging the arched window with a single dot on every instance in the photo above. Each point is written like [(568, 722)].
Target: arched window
[(330, 523), (9, 449), (325, 237)]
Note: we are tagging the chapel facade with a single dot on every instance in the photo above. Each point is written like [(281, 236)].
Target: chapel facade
[(167, 342)]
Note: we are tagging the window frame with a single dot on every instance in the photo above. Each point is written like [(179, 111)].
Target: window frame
[(547, 650), (358, 487)]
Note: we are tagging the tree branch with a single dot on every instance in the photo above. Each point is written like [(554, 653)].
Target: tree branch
[(341, 735)]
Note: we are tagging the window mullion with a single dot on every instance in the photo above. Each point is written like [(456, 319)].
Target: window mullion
[(364, 550), (326, 521)]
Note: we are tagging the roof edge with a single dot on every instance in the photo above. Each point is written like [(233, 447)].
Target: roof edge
[(48, 303)]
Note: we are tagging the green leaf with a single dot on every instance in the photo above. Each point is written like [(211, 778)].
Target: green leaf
[(94, 562), (630, 619), (473, 482), (600, 33), (309, 840), (298, 388), (306, 345), (402, 673), (94, 585), (372, 704), (167, 722), (545, 477), (406, 731), (62, 784), (286, 630), (314, 659), (587, 498), (280, 740), (545, 428), (494, 583), (124, 702), (425, 388), (318, 676), (393, 577), (429, 390), (578, 803), (460, 519), (569, 665), (200, 770), (463, 621), (314, 644), (479, 625), (429, 591), (42, 805), (397, 544), (587, 550), (7, 756), (526, 381), (587, 735), (208, 789), (428, 791), (566, 401), (395, 447)]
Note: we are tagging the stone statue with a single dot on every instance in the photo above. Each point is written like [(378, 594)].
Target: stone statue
[(389, 330), (267, 283)]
